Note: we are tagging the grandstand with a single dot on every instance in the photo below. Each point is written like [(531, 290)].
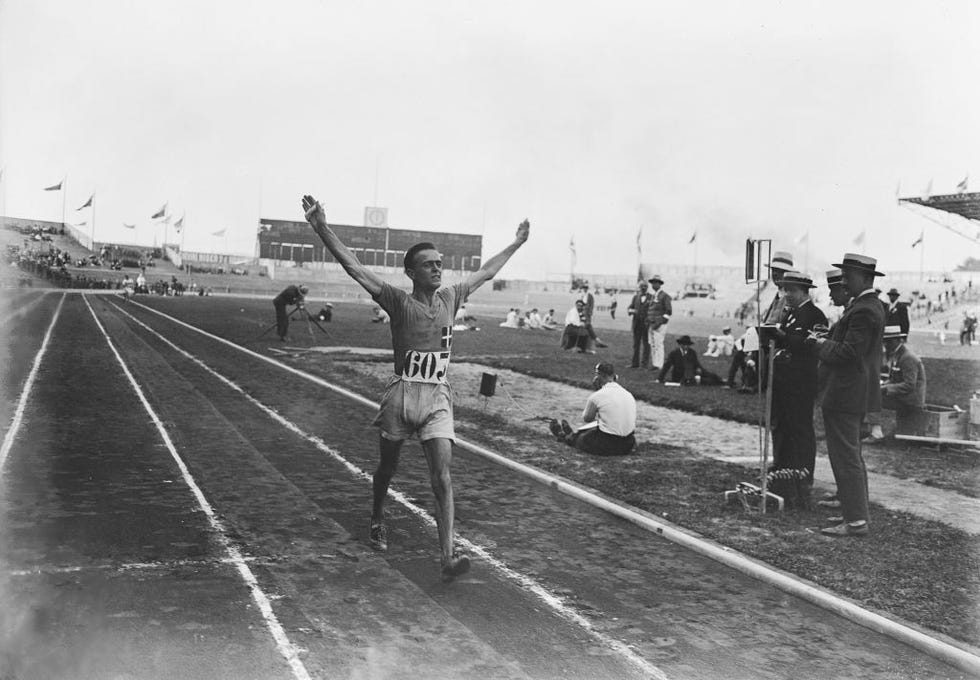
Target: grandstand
[(284, 241)]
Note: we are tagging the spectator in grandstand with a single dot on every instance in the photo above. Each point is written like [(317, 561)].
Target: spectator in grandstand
[(511, 320), (380, 316), (290, 295), (896, 311), (794, 384), (637, 311), (851, 357), (723, 344), (904, 389), (575, 333), (549, 323), (609, 415), (658, 314)]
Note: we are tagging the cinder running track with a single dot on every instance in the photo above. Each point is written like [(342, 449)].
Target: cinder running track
[(234, 546)]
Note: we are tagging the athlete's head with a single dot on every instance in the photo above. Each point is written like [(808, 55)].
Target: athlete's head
[(423, 264)]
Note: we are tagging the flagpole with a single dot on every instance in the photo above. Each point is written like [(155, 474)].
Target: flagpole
[(64, 199), (93, 221), (922, 256)]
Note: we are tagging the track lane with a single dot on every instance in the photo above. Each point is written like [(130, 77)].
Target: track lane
[(402, 610), (684, 621), (106, 570)]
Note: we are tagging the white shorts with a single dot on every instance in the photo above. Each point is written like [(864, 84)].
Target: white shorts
[(420, 409)]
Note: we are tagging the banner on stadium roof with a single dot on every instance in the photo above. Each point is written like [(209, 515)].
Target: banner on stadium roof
[(56, 187), (159, 213), (87, 203)]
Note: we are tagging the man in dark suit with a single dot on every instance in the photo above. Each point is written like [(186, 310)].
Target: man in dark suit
[(852, 359), (682, 363), (896, 312), (638, 318), (290, 295), (794, 384), (781, 263), (658, 315)]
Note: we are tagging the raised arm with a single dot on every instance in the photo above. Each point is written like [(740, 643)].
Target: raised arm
[(494, 264), (367, 279)]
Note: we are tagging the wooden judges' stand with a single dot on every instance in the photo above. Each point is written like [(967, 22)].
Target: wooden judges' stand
[(758, 254)]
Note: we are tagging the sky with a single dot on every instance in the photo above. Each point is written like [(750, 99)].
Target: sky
[(593, 120)]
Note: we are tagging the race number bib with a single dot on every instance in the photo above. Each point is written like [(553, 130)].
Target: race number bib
[(427, 367)]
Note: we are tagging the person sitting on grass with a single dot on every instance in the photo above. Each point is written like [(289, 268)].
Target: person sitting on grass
[(719, 345), (534, 319), (609, 415), (576, 333), (511, 320), (380, 316), (549, 323), (682, 364)]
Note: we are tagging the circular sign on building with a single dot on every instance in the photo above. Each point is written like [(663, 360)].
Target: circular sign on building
[(376, 217)]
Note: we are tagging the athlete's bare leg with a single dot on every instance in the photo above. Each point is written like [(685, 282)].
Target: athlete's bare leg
[(439, 454), (390, 452)]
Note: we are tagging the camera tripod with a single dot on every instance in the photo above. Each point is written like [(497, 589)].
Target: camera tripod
[(311, 321)]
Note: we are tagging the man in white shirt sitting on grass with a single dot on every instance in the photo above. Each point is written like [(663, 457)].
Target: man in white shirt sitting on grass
[(609, 415)]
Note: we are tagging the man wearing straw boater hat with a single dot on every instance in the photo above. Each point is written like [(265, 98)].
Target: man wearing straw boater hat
[(904, 390), (658, 314), (781, 263), (794, 387), (851, 357)]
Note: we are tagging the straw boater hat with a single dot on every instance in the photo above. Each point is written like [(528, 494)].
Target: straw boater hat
[(656, 278), (894, 291), (893, 332), (835, 277), (781, 259), (685, 340), (795, 278), (860, 262)]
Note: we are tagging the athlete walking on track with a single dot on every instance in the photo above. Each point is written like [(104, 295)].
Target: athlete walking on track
[(417, 400)]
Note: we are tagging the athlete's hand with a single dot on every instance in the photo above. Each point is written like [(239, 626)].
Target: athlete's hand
[(523, 231), (314, 212)]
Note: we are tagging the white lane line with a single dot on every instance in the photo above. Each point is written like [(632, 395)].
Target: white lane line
[(8, 438), (288, 650), (553, 601), (125, 566), (947, 651)]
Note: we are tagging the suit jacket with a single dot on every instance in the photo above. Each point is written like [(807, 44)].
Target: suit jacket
[(289, 296), (906, 382), (774, 312), (796, 368), (660, 309), (852, 358), (683, 366), (897, 315), (638, 308)]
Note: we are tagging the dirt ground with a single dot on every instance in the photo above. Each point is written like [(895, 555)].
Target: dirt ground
[(520, 397)]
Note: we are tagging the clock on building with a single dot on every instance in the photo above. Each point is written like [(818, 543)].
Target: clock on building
[(376, 217)]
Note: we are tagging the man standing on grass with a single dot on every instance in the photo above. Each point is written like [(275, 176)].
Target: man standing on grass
[(290, 295), (852, 355), (417, 399), (659, 312)]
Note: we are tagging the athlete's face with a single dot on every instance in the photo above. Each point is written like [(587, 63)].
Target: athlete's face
[(427, 270)]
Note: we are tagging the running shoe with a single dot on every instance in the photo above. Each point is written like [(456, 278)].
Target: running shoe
[(379, 536), (555, 428), (459, 565), (566, 428)]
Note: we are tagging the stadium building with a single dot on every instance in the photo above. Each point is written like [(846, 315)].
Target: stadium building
[(286, 241)]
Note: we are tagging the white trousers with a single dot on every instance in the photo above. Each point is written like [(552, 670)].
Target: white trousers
[(657, 346)]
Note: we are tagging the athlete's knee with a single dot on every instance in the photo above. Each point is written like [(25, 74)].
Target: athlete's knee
[(442, 481)]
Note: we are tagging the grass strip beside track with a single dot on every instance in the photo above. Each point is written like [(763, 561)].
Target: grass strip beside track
[(942, 649)]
